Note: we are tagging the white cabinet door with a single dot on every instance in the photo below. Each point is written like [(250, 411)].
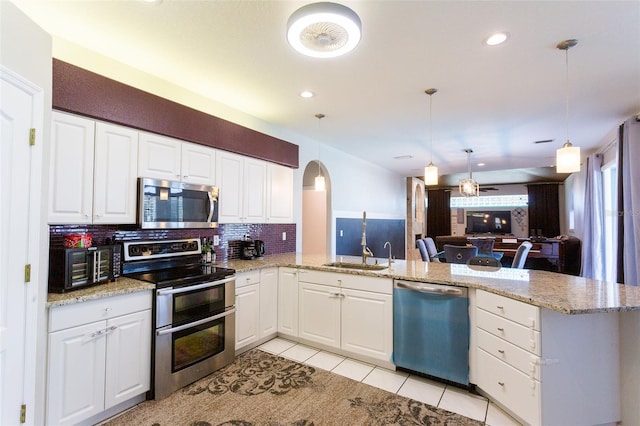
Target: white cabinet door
[(279, 194), (128, 357), (229, 174), (159, 157), (367, 323), (255, 191), (243, 185), (76, 374), (319, 313), (71, 170), (198, 164), (115, 174), (288, 301), (247, 314), (268, 302)]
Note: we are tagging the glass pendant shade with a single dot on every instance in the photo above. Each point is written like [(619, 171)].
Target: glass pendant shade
[(431, 175), (319, 183), (469, 188), (568, 158)]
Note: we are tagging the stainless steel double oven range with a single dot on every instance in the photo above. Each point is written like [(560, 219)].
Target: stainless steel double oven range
[(194, 321)]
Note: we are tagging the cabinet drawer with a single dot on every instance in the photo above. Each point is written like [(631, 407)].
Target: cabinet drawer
[(66, 316), (522, 313), (372, 284), (319, 277), (508, 386), (247, 278), (510, 331), (511, 354)]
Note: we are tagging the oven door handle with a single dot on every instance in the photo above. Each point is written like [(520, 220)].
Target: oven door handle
[(194, 287), (195, 323)]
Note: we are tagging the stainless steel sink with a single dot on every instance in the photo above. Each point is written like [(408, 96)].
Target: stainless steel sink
[(360, 266)]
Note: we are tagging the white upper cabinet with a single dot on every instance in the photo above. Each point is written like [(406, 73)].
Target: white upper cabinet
[(71, 171), (115, 173), (166, 158), (93, 172), (242, 183), (279, 194)]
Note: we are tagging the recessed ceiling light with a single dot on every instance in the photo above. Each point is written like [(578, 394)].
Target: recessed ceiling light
[(403, 157), (481, 164), (497, 38), (307, 94)]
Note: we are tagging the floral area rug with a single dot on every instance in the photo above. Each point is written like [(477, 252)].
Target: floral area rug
[(259, 388)]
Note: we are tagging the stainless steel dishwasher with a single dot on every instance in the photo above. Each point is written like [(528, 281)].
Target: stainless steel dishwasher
[(431, 330)]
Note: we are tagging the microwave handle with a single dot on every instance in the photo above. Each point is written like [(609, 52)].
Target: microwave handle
[(211, 206), (96, 265)]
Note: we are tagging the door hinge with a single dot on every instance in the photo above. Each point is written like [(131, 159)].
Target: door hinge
[(23, 413), (32, 136), (27, 273)]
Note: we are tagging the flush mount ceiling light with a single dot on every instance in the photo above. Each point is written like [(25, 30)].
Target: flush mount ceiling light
[(431, 171), (319, 182), (469, 187), (567, 157), (324, 30), (307, 94), (497, 38)]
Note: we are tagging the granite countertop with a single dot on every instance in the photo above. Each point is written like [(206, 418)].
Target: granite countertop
[(559, 292)]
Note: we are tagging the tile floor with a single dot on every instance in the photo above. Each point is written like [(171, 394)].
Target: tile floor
[(404, 384)]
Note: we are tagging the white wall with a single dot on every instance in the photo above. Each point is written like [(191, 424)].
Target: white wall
[(26, 50)]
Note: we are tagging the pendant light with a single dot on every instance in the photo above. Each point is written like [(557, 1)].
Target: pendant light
[(431, 171), (319, 182), (567, 157), (469, 187)]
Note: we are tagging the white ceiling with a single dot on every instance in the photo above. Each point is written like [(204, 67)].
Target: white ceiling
[(495, 100)]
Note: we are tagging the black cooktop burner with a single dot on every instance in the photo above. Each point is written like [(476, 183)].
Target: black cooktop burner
[(183, 276)]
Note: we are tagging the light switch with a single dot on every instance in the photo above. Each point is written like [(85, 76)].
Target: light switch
[(284, 236), (216, 240)]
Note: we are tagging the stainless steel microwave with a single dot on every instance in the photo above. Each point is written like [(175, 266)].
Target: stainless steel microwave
[(164, 204)]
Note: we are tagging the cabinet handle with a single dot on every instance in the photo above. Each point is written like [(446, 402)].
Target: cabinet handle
[(107, 310), (501, 383), (500, 329), (110, 329), (500, 307), (501, 351)]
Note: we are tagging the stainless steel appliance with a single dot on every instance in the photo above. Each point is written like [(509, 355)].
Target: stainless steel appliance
[(72, 269), (431, 330), (194, 321), (259, 249), (167, 204)]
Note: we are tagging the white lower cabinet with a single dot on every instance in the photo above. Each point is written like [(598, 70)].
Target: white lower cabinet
[(288, 301), (545, 367), (247, 308), (268, 302), (350, 312), (99, 355)]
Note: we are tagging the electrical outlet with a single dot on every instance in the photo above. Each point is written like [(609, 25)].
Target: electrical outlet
[(284, 236), (216, 240), (341, 233)]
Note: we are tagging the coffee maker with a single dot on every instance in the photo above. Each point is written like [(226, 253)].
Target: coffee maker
[(247, 249)]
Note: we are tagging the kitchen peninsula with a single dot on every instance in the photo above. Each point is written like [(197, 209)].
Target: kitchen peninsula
[(549, 348)]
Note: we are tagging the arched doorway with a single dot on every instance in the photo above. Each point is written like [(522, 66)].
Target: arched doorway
[(316, 211)]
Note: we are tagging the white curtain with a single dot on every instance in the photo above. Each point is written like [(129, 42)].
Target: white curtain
[(593, 243), (629, 201)]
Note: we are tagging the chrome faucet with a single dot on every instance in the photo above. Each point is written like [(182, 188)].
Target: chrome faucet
[(385, 246), (366, 251)]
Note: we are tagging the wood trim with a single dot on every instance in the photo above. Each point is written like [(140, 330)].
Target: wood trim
[(85, 93)]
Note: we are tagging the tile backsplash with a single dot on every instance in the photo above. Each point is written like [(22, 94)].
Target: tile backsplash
[(230, 236)]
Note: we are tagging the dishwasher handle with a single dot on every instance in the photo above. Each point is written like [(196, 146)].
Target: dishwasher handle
[(431, 288)]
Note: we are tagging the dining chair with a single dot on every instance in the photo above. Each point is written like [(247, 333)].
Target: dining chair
[(423, 250), (521, 255), (485, 245), (432, 251), (484, 261), (459, 254)]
